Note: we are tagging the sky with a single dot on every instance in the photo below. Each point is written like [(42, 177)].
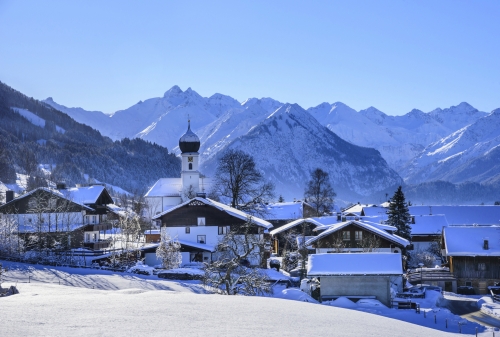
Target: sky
[(393, 55)]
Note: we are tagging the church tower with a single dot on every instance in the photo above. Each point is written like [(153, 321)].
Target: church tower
[(189, 144)]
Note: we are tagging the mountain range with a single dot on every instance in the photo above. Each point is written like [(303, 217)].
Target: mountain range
[(405, 142)]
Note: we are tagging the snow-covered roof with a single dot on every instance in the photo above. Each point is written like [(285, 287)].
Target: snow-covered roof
[(117, 210), (166, 187), (355, 209), (315, 221), (354, 264), (83, 195), (371, 220), (152, 231), (202, 246), (193, 244), (469, 240), (284, 210), (34, 227), (374, 210), (172, 187), (225, 208), (428, 224), (371, 228), (462, 215), (54, 192)]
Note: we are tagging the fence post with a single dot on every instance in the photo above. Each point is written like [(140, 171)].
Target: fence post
[(435, 321), (447, 323)]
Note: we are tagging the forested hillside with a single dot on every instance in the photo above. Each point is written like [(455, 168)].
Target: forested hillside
[(73, 151)]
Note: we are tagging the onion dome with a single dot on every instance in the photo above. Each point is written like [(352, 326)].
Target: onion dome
[(189, 142)]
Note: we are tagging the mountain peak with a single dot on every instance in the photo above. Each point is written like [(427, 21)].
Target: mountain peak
[(175, 90)]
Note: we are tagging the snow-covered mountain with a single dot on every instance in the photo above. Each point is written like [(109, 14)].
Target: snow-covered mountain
[(220, 121), (234, 123), (160, 120), (398, 138), (469, 154), (290, 143)]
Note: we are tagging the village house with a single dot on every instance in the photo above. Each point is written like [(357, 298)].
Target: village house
[(357, 236), (299, 229), (473, 255), (200, 223), (282, 213), (357, 276), (68, 218)]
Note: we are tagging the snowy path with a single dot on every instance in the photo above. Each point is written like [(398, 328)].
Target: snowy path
[(469, 309)]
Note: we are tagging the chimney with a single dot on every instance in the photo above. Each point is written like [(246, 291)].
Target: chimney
[(201, 195), (61, 186), (9, 196), (486, 245)]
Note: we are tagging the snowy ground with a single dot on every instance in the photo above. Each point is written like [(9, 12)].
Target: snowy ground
[(102, 303)]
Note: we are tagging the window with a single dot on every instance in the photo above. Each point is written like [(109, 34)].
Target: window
[(224, 230), (52, 203), (201, 222), (188, 230), (201, 239), (190, 166), (358, 235), (468, 284), (346, 235), (482, 267)]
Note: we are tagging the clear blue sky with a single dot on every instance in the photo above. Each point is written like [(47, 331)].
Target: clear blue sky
[(394, 55)]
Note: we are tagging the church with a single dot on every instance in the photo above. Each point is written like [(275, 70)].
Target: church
[(169, 192)]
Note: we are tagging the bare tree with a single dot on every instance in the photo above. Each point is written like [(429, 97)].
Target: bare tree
[(10, 242), (230, 274), (370, 243), (319, 192), (337, 243), (238, 180), (169, 251), (189, 192)]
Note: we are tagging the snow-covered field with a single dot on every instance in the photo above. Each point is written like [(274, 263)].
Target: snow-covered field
[(101, 303)]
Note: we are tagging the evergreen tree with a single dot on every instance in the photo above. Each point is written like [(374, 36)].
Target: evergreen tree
[(399, 215)]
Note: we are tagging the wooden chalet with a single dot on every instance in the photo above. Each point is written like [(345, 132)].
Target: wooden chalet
[(357, 236), (473, 255), (64, 218), (198, 224)]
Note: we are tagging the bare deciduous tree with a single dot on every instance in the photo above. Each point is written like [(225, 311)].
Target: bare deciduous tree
[(370, 243), (189, 192), (230, 274), (238, 180), (319, 192)]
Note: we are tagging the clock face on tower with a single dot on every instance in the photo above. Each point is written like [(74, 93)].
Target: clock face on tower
[(190, 159)]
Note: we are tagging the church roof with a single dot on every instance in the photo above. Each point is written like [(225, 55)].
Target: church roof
[(189, 142), (166, 187)]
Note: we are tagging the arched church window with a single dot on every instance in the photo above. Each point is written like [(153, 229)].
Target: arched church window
[(190, 166)]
